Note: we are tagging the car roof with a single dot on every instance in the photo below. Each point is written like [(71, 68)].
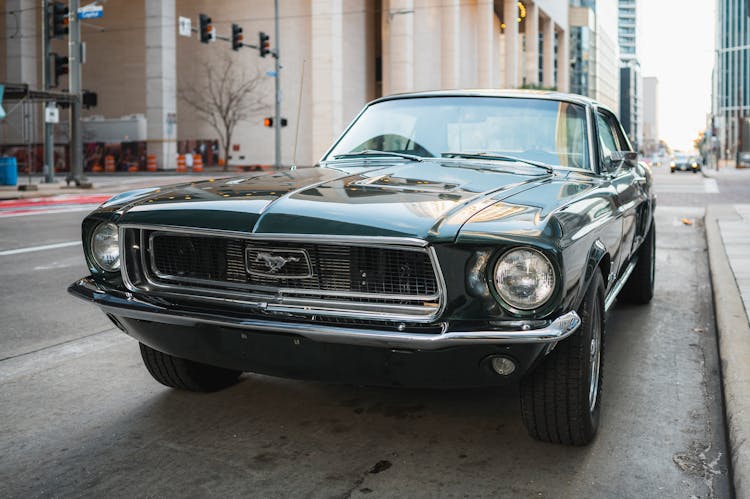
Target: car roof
[(512, 93)]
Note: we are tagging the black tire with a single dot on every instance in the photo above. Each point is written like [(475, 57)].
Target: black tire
[(561, 398), (671, 170), (639, 290), (185, 374)]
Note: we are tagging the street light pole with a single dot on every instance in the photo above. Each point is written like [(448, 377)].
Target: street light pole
[(277, 118), (49, 141), (74, 82)]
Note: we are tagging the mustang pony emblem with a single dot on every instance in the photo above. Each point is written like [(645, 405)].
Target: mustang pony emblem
[(274, 262)]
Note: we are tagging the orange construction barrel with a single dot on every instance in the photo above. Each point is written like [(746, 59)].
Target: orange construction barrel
[(109, 163), (151, 162), (181, 163), (197, 163)]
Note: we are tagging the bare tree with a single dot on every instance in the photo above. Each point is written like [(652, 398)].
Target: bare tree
[(227, 96)]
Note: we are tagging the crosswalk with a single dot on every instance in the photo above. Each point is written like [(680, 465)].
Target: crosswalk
[(51, 204), (684, 183)]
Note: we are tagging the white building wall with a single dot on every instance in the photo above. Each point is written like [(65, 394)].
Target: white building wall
[(607, 55)]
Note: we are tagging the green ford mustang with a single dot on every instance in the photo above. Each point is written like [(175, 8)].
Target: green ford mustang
[(451, 239)]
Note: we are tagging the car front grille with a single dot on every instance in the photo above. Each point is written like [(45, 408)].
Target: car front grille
[(351, 278)]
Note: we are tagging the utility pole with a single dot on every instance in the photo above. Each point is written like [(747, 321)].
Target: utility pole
[(49, 140), (74, 80), (277, 118)]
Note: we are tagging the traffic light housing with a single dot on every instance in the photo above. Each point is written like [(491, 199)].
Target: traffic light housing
[(237, 36), (264, 46), (206, 30), (61, 67), (269, 122), (59, 20)]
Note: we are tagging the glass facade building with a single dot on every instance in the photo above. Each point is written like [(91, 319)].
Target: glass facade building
[(630, 71), (731, 85)]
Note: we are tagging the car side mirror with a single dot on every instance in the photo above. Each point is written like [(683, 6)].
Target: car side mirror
[(620, 159)]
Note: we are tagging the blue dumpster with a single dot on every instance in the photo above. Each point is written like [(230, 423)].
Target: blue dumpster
[(8, 170)]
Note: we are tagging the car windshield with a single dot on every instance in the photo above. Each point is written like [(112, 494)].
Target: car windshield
[(540, 130)]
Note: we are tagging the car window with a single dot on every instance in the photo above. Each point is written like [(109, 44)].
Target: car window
[(542, 130), (607, 141)]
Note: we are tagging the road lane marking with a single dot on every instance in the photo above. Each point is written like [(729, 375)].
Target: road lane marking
[(43, 247), (25, 213), (710, 186)]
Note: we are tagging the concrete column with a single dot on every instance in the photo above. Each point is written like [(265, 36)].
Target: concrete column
[(484, 26), (510, 17), (161, 82), (563, 61), (450, 44), (532, 44), (327, 73), (548, 55), (401, 45), (22, 52)]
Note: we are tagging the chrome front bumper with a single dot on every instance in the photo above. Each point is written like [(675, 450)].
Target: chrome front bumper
[(126, 304)]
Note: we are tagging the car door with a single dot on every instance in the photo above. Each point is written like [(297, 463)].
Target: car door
[(624, 181)]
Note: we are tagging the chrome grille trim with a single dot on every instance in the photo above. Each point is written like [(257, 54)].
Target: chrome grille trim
[(287, 300)]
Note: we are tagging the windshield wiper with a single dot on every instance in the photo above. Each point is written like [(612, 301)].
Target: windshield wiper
[(496, 157), (373, 152)]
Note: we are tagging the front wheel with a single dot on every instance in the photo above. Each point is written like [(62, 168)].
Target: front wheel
[(186, 374), (561, 398)]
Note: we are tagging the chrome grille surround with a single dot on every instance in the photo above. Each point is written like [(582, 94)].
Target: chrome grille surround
[(141, 274)]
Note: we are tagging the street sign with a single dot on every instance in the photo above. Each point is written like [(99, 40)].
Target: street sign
[(272, 74), (91, 11), (185, 26), (51, 114)]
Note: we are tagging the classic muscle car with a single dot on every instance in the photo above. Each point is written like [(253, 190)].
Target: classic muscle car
[(446, 239)]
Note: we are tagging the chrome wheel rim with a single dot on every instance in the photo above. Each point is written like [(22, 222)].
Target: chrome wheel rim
[(595, 358)]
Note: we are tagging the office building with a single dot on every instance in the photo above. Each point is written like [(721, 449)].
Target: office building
[(594, 53), (731, 79), (630, 71)]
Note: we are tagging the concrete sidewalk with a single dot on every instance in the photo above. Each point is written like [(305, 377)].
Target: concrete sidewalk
[(105, 183), (728, 235)]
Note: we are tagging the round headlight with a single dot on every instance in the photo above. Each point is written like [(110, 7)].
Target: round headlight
[(524, 278), (105, 247)]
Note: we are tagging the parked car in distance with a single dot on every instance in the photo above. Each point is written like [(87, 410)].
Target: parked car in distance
[(446, 239), (684, 163), (743, 159)]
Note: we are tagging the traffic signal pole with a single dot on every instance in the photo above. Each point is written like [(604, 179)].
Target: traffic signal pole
[(49, 140), (277, 120), (74, 82)]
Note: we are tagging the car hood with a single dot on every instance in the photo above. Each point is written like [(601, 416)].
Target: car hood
[(429, 200)]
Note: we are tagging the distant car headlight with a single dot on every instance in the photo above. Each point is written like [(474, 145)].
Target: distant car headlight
[(524, 278), (105, 247)]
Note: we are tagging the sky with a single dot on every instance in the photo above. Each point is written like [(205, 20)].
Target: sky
[(677, 46)]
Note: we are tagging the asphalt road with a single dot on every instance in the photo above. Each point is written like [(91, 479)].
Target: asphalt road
[(81, 416)]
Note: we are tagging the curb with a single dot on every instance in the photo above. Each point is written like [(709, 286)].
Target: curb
[(734, 349)]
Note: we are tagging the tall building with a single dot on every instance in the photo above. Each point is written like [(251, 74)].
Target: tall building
[(731, 81), (335, 54), (594, 54), (630, 71), (650, 88)]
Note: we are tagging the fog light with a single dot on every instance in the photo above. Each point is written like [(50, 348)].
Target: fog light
[(502, 365)]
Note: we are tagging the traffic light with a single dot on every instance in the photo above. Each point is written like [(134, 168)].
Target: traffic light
[(237, 36), (89, 99), (264, 45), (61, 67), (269, 122), (59, 20), (206, 29)]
